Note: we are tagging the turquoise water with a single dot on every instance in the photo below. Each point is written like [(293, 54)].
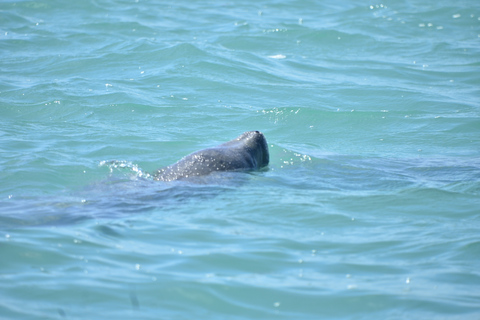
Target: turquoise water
[(370, 207)]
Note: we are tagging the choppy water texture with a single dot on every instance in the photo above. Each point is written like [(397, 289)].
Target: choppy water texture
[(370, 206)]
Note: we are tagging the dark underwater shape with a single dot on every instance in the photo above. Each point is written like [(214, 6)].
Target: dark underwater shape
[(249, 151)]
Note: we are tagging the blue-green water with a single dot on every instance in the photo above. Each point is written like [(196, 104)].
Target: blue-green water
[(370, 208)]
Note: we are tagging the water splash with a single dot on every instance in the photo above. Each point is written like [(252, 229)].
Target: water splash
[(125, 166)]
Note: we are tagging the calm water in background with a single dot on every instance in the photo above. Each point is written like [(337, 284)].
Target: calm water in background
[(369, 209)]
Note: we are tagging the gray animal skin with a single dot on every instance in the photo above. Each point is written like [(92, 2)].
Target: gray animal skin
[(247, 152)]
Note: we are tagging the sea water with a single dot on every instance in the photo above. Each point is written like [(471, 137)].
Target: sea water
[(369, 209)]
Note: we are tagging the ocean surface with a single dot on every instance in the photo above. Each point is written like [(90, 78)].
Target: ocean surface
[(369, 209)]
